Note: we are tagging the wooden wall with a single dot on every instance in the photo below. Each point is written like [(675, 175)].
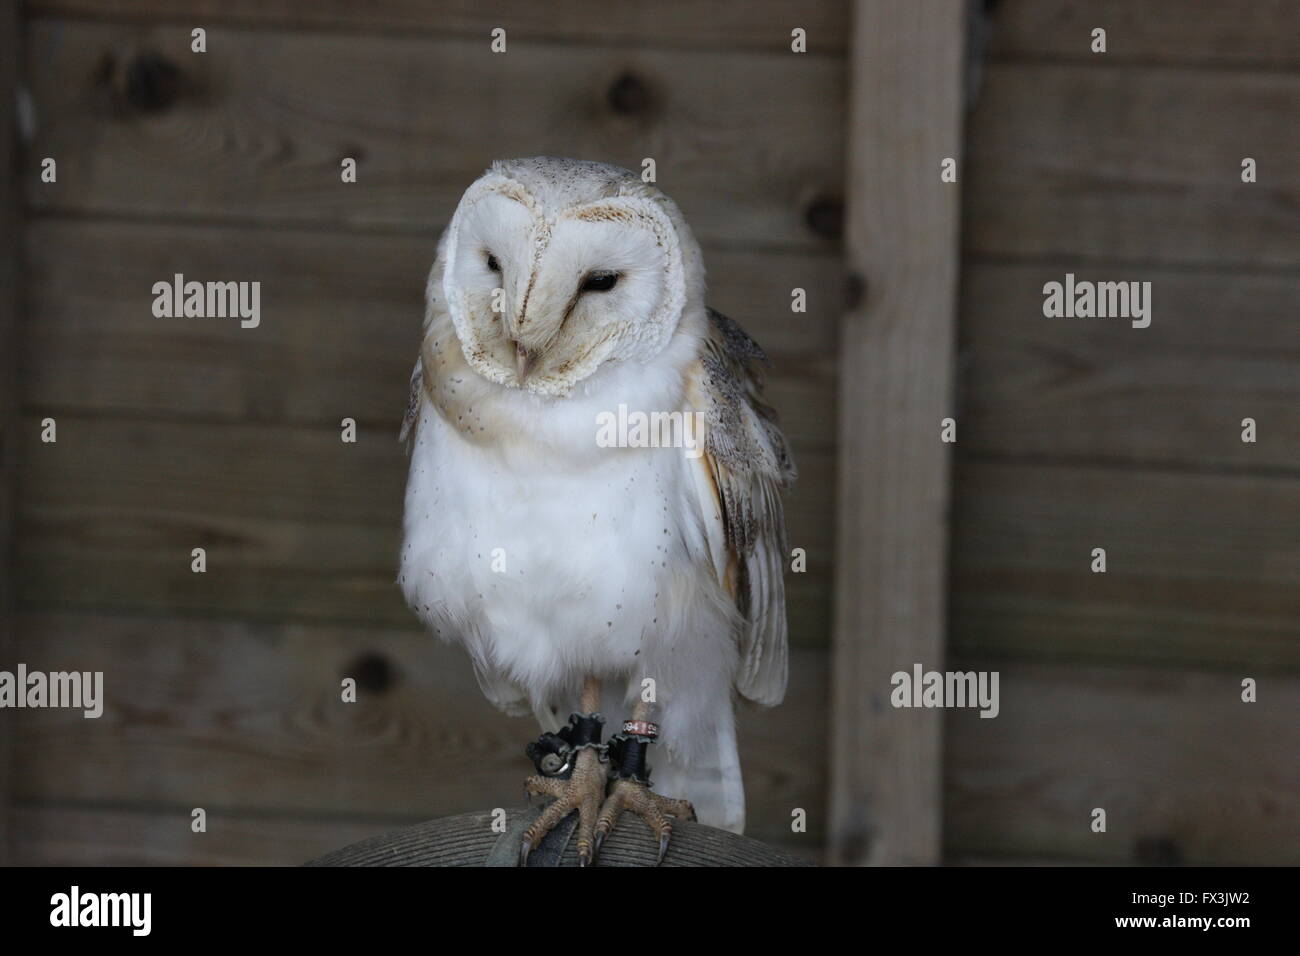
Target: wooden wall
[(1122, 690), (10, 396), (223, 687), (1119, 690)]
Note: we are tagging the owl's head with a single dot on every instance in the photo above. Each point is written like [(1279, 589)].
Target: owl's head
[(553, 267)]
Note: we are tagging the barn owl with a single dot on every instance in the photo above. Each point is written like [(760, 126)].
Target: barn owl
[(588, 576)]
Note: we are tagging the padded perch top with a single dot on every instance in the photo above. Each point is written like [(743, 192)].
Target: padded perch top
[(469, 840)]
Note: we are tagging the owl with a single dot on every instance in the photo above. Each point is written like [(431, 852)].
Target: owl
[(590, 563)]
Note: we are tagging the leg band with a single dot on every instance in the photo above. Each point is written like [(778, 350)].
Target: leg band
[(553, 753), (627, 753)]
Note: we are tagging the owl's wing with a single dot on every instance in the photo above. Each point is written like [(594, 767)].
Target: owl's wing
[(412, 416), (435, 315), (744, 466)]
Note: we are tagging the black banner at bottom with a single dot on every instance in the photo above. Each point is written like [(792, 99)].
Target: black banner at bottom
[(215, 906)]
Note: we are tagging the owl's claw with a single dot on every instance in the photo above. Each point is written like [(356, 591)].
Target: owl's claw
[(581, 791), (633, 795)]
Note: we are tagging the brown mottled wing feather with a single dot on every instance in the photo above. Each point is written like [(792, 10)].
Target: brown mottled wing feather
[(412, 415), (748, 463)]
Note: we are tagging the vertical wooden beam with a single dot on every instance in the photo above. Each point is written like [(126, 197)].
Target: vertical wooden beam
[(9, 417), (895, 387)]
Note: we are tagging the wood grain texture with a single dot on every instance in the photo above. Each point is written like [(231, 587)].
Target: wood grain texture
[(1181, 765), (72, 836), (1222, 346), (246, 721), (1201, 569), (259, 124), (1094, 161), (895, 386), (1208, 32), (470, 840), (722, 24), (1234, 33), (296, 524), (340, 324), (1185, 770), (10, 420), (54, 835)]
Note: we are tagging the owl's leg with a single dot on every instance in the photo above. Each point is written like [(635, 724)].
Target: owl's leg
[(631, 783), (582, 790)]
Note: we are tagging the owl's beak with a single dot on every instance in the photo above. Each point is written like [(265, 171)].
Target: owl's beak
[(525, 361)]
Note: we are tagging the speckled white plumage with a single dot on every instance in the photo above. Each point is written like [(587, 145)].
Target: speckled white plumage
[(552, 558)]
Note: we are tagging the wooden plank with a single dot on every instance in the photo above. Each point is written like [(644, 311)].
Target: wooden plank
[(895, 381), (1185, 770), (1068, 161), (1201, 569), (73, 836), (79, 836), (10, 420), (1221, 347), (341, 318), (1209, 32), (260, 123), (1259, 33), (725, 24), (244, 720), (296, 524), (1066, 740)]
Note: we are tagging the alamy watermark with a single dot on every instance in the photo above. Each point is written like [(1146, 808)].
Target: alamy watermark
[(922, 688), (75, 908), (209, 300), (624, 429), (1084, 299), (76, 689)]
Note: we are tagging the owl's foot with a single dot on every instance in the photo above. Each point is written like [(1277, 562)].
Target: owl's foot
[(654, 809), (630, 789), (576, 759)]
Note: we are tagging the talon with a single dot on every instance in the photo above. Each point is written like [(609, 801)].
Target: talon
[(631, 786), (581, 791)]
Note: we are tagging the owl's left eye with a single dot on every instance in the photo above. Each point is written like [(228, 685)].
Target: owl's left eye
[(492, 264), (600, 282)]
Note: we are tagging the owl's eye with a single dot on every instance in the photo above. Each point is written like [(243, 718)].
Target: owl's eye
[(600, 282), (492, 264)]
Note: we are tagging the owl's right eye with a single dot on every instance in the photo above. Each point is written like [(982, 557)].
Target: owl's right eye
[(492, 264)]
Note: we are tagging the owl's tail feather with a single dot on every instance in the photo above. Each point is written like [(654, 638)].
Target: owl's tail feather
[(711, 780)]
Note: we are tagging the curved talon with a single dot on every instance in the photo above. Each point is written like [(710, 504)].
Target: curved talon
[(636, 797), (581, 791)]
